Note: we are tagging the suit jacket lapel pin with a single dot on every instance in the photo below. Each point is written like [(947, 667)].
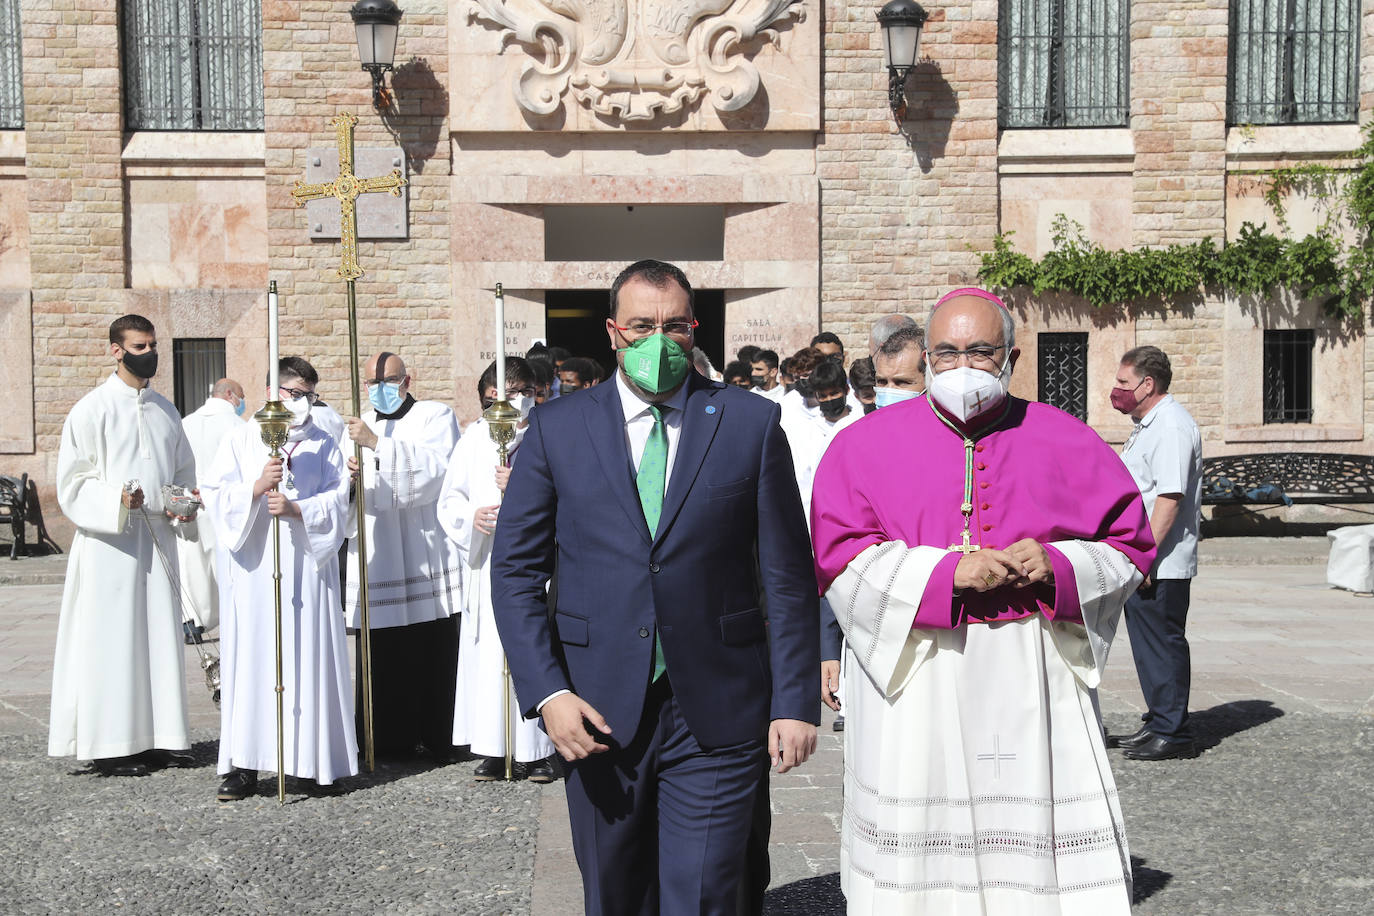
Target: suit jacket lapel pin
[(710, 408)]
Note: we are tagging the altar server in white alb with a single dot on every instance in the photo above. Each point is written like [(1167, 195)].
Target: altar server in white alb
[(307, 488), (468, 509), (414, 574), (206, 427), (118, 686), (977, 550)]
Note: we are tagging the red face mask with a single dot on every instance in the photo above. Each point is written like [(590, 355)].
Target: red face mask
[(1123, 399)]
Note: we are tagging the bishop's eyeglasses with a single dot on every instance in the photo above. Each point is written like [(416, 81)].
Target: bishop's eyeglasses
[(978, 357)]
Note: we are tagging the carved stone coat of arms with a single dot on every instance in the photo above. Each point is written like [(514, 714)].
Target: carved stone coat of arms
[(633, 60)]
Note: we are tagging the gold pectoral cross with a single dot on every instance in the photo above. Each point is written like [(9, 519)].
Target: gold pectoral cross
[(347, 187)]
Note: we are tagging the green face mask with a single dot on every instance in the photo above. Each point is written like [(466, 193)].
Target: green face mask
[(655, 363)]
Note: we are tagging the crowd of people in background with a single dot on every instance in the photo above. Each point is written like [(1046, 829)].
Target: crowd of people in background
[(1048, 550)]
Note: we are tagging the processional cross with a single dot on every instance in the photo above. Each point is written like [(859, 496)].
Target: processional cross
[(347, 188)]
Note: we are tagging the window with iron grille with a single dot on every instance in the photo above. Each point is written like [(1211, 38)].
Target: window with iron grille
[(197, 363), (192, 64), (11, 67), (1063, 63), (1063, 372), (1293, 61), (1288, 376)]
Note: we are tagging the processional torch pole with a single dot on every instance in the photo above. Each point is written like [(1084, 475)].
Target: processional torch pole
[(364, 619), (274, 420), (501, 418)]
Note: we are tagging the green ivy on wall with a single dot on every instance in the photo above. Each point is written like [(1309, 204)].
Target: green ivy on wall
[(1319, 265)]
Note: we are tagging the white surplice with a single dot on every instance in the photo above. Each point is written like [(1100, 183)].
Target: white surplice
[(118, 674), (414, 574), (808, 436), (319, 738), (478, 718), (205, 429), (1022, 787)]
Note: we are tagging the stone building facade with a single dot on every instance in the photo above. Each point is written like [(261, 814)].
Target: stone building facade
[(753, 145)]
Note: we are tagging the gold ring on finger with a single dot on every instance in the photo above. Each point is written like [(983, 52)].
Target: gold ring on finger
[(992, 578)]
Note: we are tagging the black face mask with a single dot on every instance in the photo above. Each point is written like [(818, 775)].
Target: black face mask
[(141, 365), (870, 407), (757, 380), (833, 409)]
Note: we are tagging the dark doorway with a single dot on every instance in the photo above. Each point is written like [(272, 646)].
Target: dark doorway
[(576, 319)]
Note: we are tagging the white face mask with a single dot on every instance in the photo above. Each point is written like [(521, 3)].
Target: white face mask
[(886, 397), (523, 403), (965, 392), (300, 411)]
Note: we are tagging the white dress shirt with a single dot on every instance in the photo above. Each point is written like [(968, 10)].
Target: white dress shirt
[(639, 422)]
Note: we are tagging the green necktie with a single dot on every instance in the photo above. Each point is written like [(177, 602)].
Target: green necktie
[(650, 481)]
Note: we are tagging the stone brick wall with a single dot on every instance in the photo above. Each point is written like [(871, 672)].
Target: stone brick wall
[(311, 73), (1178, 118), (75, 202), (904, 214)]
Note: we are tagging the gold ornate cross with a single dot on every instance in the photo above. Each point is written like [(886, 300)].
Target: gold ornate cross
[(347, 187)]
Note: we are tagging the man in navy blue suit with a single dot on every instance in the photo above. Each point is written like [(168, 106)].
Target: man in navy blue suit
[(669, 508)]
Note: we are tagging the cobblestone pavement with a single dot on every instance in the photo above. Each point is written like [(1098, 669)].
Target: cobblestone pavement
[(1272, 818)]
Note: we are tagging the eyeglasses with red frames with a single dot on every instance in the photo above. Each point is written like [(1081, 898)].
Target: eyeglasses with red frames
[(639, 329)]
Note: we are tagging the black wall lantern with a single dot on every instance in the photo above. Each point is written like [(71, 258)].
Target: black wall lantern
[(377, 22), (902, 21)]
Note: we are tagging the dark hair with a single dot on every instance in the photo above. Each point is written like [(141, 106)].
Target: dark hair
[(768, 357), (805, 360), (541, 367), (828, 337), (748, 353), (657, 274), (586, 370), (537, 349), (861, 374), (516, 369), (828, 374), (902, 338), (737, 369), (785, 367), (295, 366), (1151, 362), (559, 353), (129, 323)]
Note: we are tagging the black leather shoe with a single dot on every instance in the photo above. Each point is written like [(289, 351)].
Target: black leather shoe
[(1135, 740), (490, 769), (120, 766), (838, 725), (540, 771), (1158, 748), (157, 759), (238, 785)]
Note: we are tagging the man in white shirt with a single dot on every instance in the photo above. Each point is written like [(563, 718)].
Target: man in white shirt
[(765, 376), (118, 681), (414, 572), (1164, 455), (206, 428)]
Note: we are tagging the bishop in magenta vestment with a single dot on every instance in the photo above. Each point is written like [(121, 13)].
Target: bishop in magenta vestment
[(976, 780)]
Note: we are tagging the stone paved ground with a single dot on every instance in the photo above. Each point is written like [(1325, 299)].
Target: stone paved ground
[(1274, 817)]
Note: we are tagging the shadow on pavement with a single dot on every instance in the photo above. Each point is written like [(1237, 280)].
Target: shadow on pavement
[(1146, 881), (818, 896), (1215, 725)]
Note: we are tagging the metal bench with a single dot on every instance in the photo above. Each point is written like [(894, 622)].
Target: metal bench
[(19, 507), (1285, 478)]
